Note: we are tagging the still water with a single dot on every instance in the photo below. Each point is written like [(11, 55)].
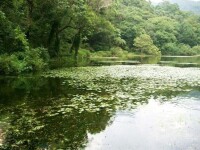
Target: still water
[(116, 107), (177, 61)]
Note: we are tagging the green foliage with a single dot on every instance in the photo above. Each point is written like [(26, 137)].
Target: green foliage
[(168, 9), (180, 49), (185, 49), (20, 36), (36, 59), (145, 45), (196, 50), (84, 53), (117, 51), (102, 54), (170, 49), (103, 35), (12, 39), (162, 30), (189, 32), (165, 23), (29, 61), (119, 41), (62, 26), (11, 64)]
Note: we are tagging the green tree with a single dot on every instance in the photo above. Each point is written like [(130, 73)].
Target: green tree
[(162, 30), (189, 32), (196, 49), (145, 45)]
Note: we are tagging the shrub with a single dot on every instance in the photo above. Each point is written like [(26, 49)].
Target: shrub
[(11, 64), (144, 44), (29, 61), (36, 59), (196, 50), (101, 54), (180, 49), (83, 53), (185, 50), (116, 52), (170, 49)]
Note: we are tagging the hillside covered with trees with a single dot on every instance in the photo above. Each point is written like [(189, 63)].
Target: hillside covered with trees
[(33, 32)]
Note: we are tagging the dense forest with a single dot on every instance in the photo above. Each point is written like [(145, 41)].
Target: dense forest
[(34, 32)]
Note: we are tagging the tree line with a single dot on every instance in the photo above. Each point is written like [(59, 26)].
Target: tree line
[(33, 32)]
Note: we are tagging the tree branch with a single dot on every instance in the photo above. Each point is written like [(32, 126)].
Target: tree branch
[(66, 26)]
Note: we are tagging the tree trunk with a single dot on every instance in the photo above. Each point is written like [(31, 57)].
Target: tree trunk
[(53, 43), (57, 44), (29, 16), (76, 43)]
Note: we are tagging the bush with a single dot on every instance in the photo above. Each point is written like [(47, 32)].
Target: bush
[(83, 53), (12, 38), (196, 50), (170, 49), (101, 54), (116, 52), (180, 49), (144, 44), (11, 64), (185, 50), (36, 59), (19, 62)]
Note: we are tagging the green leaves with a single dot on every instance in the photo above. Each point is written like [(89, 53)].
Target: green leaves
[(145, 45), (21, 37)]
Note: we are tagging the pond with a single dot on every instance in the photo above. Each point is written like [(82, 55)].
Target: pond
[(143, 106), (177, 61)]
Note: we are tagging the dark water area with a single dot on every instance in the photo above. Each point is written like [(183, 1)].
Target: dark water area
[(101, 108), (27, 104)]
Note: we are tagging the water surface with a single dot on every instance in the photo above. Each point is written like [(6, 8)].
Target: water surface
[(177, 61), (101, 108)]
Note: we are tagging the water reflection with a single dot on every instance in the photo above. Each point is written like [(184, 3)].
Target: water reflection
[(115, 110), (152, 126), (179, 61), (37, 89), (29, 105), (133, 61)]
